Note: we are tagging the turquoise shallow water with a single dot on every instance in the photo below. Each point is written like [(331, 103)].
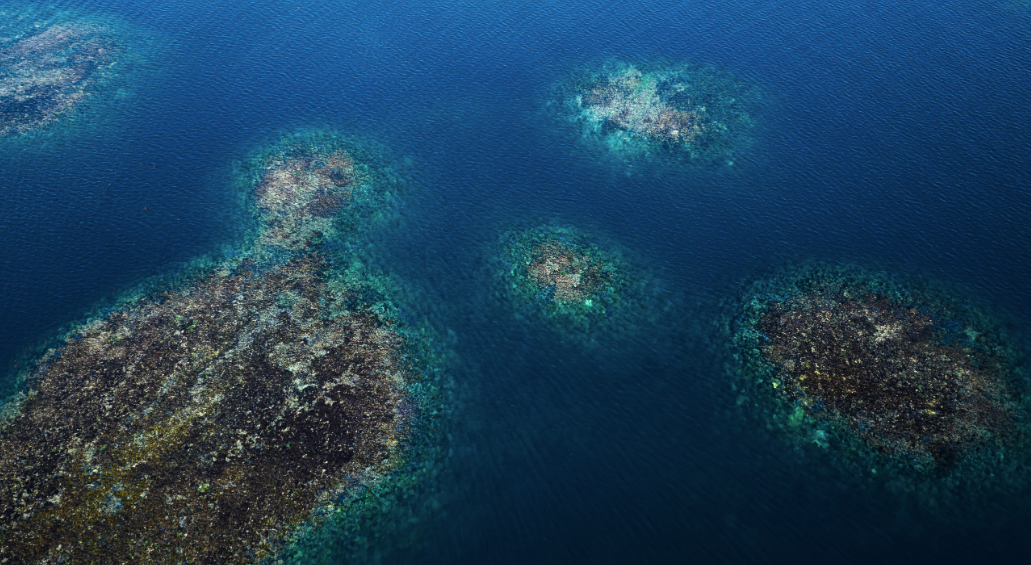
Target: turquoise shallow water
[(894, 136)]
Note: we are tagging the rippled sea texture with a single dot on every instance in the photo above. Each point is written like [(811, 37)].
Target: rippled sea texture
[(888, 135)]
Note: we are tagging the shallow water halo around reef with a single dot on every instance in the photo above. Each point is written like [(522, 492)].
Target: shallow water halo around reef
[(896, 380), (574, 284), (227, 417)]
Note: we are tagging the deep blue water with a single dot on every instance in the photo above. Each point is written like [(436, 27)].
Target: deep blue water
[(892, 134)]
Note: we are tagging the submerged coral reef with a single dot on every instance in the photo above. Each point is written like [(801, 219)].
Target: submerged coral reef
[(47, 71), (571, 273), (568, 277), (201, 423), (682, 112), (317, 185), (211, 421), (907, 380)]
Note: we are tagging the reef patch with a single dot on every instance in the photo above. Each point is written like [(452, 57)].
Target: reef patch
[(572, 280), (51, 66), (671, 112), (225, 417), (899, 379)]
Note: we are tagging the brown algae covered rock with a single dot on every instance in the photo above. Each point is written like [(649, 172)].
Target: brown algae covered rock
[(678, 112), (54, 63), (902, 380), (201, 423), (212, 421), (572, 280)]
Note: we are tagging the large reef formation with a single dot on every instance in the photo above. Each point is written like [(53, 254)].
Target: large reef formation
[(196, 426), (912, 382), (680, 112), (47, 71), (206, 422)]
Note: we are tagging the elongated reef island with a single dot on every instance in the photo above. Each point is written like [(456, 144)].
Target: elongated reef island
[(205, 422)]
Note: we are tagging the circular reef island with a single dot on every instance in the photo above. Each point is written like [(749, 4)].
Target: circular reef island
[(679, 113), (570, 279), (213, 421), (900, 379), (52, 65)]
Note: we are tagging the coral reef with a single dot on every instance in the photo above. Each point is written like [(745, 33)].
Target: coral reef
[(568, 278), (317, 185), (218, 420), (894, 375), (571, 273), (49, 71), (686, 113), (202, 422)]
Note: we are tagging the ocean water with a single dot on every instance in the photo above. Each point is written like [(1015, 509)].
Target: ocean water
[(896, 135)]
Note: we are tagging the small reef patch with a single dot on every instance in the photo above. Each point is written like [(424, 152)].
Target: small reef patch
[(570, 279), (315, 186), (51, 65), (671, 112)]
